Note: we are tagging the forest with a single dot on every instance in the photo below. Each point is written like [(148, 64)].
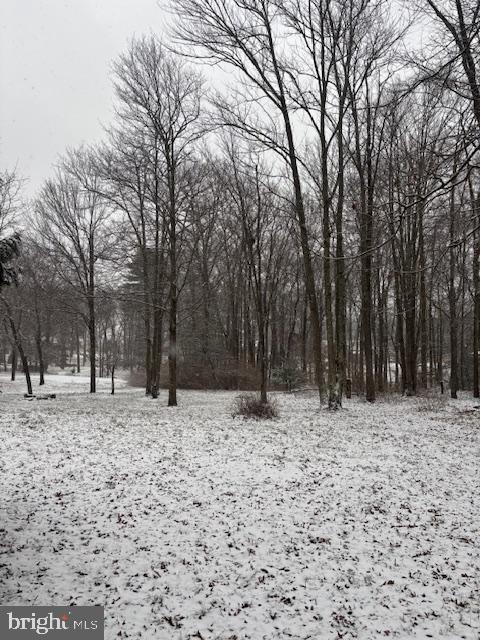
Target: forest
[(288, 197), (239, 332)]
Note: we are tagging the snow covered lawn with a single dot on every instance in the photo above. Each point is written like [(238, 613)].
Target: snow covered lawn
[(187, 523)]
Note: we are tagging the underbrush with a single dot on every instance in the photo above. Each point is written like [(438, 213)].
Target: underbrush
[(431, 403), (250, 405)]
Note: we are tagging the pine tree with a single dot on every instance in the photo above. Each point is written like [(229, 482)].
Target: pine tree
[(9, 250)]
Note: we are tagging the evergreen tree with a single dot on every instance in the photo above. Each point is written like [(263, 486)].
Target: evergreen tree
[(9, 250)]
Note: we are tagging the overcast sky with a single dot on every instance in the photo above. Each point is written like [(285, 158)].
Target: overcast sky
[(55, 82), (55, 74)]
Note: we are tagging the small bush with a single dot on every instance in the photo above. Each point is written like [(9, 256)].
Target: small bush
[(432, 404), (250, 406), (289, 377)]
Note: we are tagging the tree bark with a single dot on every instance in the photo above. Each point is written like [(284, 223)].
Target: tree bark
[(476, 303), (14, 364), (452, 302), (172, 326)]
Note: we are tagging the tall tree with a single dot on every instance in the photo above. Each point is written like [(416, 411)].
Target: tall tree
[(243, 35), (72, 223), (162, 96)]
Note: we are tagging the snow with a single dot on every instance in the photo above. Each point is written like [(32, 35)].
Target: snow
[(187, 523)]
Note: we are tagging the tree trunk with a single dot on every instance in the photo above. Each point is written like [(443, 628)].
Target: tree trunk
[(476, 305), (172, 350), (172, 324), (440, 355), (91, 314), (423, 307), (14, 364), (77, 336), (41, 367), (93, 350), (453, 304)]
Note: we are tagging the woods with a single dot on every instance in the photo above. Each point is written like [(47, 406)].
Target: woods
[(240, 319), (314, 222)]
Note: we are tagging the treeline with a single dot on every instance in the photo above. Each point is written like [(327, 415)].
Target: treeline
[(316, 221)]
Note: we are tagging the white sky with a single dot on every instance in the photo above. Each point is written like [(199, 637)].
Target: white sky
[(55, 82), (55, 74)]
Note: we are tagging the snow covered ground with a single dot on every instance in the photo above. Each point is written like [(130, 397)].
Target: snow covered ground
[(187, 524)]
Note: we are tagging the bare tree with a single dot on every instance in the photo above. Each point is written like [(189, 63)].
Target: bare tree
[(162, 95), (243, 35), (72, 223), (457, 56)]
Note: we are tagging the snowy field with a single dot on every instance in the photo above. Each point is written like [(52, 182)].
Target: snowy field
[(187, 524)]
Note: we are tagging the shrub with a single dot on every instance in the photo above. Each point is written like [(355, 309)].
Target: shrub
[(290, 377), (251, 406), (431, 404)]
